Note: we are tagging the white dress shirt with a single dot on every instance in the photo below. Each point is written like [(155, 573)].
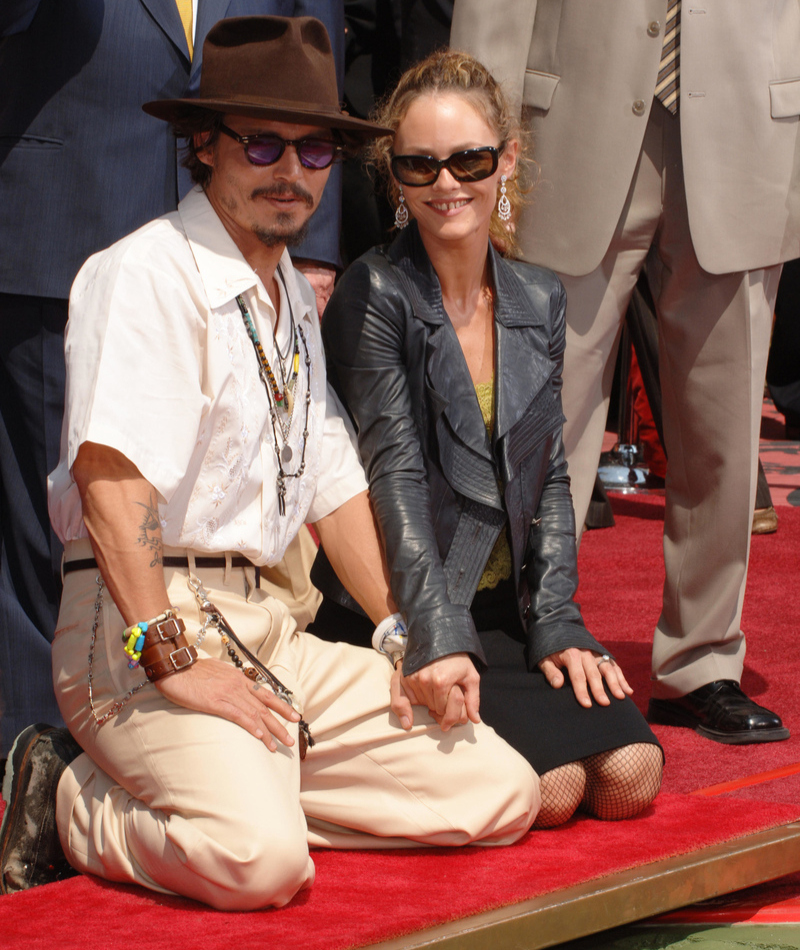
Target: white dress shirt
[(160, 367)]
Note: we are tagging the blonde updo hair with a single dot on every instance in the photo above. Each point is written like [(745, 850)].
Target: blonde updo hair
[(452, 71)]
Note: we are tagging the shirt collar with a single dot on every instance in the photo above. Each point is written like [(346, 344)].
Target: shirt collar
[(223, 269)]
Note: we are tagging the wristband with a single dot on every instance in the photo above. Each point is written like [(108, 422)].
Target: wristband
[(166, 650), (159, 645), (134, 636), (391, 637)]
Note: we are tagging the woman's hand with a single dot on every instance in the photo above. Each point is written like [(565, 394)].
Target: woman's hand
[(449, 687), (220, 689), (586, 671)]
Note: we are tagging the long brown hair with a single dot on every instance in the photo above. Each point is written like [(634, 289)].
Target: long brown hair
[(452, 71)]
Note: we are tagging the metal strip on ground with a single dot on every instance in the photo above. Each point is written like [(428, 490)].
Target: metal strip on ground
[(618, 899)]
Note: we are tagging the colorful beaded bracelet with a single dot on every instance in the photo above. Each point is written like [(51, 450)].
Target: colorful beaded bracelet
[(133, 636)]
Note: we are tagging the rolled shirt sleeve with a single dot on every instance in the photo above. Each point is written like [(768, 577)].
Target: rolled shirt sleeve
[(133, 382)]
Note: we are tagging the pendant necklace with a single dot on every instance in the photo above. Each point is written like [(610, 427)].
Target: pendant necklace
[(292, 357), (278, 398), (281, 398)]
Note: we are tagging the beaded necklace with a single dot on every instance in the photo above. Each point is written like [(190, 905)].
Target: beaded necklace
[(283, 453), (292, 358), (282, 397)]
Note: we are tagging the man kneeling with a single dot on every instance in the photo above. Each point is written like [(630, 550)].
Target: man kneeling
[(199, 437)]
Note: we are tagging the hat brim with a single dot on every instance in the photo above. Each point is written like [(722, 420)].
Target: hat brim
[(169, 109)]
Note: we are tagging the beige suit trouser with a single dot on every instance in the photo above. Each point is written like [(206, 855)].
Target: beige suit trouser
[(189, 803), (713, 341)]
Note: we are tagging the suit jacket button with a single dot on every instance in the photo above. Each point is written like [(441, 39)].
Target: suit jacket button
[(653, 28), (526, 612), (638, 107)]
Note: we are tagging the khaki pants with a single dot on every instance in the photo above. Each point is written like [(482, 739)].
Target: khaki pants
[(189, 803), (713, 341)]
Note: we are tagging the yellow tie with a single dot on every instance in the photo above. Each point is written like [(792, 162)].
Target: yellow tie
[(185, 11), (667, 87)]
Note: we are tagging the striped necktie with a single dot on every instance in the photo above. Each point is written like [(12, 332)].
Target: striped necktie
[(667, 87), (185, 11)]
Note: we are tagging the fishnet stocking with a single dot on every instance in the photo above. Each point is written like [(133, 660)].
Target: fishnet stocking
[(562, 789), (623, 781)]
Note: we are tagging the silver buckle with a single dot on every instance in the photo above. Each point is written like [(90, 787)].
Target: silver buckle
[(171, 625), (177, 666)]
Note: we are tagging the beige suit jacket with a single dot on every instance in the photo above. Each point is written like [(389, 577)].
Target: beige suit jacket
[(584, 72)]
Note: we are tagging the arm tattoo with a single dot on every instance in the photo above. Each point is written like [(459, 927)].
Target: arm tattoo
[(150, 531)]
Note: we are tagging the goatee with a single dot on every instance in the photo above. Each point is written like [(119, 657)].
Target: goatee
[(272, 237), (284, 231)]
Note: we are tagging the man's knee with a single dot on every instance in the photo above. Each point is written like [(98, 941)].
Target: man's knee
[(513, 786), (266, 867), (529, 792)]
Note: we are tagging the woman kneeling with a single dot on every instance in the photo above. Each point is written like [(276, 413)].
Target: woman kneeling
[(448, 356)]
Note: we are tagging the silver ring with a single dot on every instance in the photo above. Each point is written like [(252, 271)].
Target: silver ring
[(605, 658)]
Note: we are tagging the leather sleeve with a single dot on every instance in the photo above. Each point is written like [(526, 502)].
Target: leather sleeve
[(554, 622), (365, 332)]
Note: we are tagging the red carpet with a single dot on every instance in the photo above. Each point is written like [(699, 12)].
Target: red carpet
[(758, 774), (621, 576), (360, 898), (364, 897)]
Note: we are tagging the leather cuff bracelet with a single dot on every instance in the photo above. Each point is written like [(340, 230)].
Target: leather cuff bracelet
[(165, 649)]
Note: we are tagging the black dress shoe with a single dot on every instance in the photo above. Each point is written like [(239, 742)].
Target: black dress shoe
[(722, 712), (30, 851)]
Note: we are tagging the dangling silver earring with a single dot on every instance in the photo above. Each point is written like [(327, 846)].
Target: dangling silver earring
[(503, 205), (401, 213)]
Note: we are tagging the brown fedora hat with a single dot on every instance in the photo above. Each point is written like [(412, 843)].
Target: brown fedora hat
[(270, 67)]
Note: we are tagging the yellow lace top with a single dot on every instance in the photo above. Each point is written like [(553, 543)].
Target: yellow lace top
[(498, 567)]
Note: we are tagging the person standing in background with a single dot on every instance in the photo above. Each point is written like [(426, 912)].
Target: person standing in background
[(783, 365), (668, 140)]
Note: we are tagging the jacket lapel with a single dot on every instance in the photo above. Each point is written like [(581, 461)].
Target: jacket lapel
[(447, 374), (165, 13), (465, 452), (209, 12), (449, 378), (522, 367)]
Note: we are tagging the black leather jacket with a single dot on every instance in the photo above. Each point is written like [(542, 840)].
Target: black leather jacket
[(441, 489)]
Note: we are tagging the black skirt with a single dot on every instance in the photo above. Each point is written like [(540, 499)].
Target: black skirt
[(548, 726)]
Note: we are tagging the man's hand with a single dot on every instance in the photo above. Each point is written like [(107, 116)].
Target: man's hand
[(321, 277), (220, 689), (449, 687), (584, 671)]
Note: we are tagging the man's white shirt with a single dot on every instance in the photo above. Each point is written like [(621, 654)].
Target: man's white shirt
[(160, 367)]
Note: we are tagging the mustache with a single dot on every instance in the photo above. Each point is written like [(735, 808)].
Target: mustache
[(284, 191)]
